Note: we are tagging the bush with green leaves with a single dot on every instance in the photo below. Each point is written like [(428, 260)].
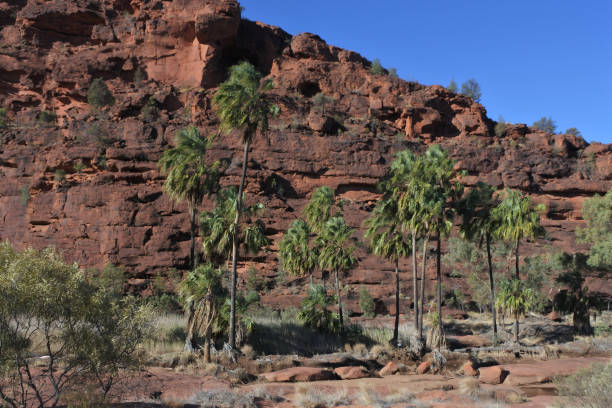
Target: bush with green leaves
[(545, 124), (471, 89), (150, 111), (48, 307), (500, 127), (59, 175), (376, 68), (3, 118), (588, 388), (514, 299), (24, 195), (366, 303), (99, 95), (314, 311), (597, 212), (452, 86), (46, 118), (320, 101), (573, 132)]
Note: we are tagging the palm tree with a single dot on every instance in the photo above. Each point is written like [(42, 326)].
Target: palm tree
[(337, 249), (401, 186), (518, 219), (479, 224), (515, 299), (219, 231), (203, 295), (440, 197), (188, 176), (242, 105), (321, 207), (295, 253), (388, 241)]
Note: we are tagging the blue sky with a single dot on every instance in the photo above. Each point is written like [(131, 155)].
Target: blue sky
[(532, 58)]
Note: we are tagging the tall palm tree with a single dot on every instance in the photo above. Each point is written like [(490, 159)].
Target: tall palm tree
[(242, 105), (337, 249), (384, 230), (296, 255), (401, 186), (441, 195), (189, 177), (479, 224), (518, 218)]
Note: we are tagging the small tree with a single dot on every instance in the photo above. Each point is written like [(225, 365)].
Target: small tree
[(203, 295), (99, 95), (49, 307), (295, 253), (452, 86), (376, 68), (597, 212), (320, 101), (471, 89), (514, 299), (366, 303), (573, 132), (314, 311), (546, 124), (336, 254), (575, 297), (500, 127)]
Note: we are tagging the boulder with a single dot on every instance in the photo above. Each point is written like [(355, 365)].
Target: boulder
[(295, 374), (351, 373), (469, 369), (424, 367), (492, 375), (390, 369)]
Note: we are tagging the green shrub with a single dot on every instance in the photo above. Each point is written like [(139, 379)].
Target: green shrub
[(573, 132), (589, 387), (46, 117), (139, 76), (79, 166), (3, 118), (452, 86), (500, 127), (99, 95), (315, 313), (24, 195), (546, 124), (366, 303), (376, 68), (471, 89), (59, 175), (320, 101), (48, 307), (150, 112), (253, 282), (393, 73)]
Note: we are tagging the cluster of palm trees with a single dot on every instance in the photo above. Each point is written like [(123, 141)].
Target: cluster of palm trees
[(242, 105), (421, 197)]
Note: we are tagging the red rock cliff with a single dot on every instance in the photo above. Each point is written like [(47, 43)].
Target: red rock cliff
[(177, 52)]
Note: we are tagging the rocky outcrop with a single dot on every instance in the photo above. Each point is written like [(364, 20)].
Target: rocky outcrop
[(86, 181)]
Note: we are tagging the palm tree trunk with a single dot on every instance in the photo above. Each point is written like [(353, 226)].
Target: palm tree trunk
[(192, 253), (516, 329), (207, 350), (397, 304), (439, 278), (415, 292), (189, 347), (492, 284), (232, 335), (423, 266), (339, 302), (516, 260)]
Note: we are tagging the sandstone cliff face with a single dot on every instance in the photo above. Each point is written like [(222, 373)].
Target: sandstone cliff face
[(177, 52)]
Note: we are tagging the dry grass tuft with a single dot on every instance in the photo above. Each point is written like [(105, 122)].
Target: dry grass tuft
[(308, 397), (248, 351), (470, 386)]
